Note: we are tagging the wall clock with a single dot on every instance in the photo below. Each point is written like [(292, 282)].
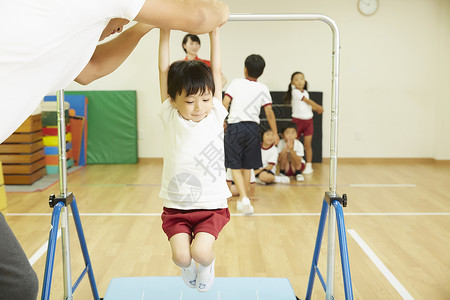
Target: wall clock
[(367, 7)]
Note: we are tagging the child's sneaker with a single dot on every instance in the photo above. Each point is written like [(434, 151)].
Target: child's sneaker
[(239, 205), (300, 178), (189, 275), (247, 207), (308, 169), (205, 278), (282, 179)]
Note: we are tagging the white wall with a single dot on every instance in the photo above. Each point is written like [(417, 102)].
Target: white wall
[(394, 77), (442, 122)]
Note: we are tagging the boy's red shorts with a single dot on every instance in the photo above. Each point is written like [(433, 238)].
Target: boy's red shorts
[(193, 221)]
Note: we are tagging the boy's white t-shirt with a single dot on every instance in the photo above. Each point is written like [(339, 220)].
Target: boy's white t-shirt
[(194, 175), (301, 109), (44, 45), (270, 156), (298, 147), (247, 98)]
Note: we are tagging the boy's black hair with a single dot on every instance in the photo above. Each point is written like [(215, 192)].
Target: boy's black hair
[(255, 65), (193, 76), (193, 38), (289, 125)]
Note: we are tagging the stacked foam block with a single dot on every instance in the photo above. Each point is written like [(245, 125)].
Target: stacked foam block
[(78, 125), (3, 203), (22, 153), (50, 136)]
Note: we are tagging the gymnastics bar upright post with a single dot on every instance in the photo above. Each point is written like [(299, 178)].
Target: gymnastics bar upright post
[(332, 201), (60, 206)]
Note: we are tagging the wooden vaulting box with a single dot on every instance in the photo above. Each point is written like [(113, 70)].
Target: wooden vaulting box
[(22, 153), (3, 203)]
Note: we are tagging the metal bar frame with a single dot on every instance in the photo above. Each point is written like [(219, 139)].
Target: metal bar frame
[(335, 73), (333, 149), (331, 246)]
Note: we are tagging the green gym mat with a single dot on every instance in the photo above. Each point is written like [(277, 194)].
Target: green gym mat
[(112, 126)]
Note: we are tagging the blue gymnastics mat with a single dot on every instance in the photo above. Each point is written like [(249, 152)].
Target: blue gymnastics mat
[(162, 288)]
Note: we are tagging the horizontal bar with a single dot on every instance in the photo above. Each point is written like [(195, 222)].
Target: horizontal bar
[(335, 72), (280, 17)]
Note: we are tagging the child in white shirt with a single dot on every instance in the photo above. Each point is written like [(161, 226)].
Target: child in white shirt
[(193, 185), (269, 155), (245, 97), (302, 113), (291, 153)]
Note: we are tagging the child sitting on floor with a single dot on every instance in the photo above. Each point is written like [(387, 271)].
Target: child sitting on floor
[(291, 153), (269, 156)]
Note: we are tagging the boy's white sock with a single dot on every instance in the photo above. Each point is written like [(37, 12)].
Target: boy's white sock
[(205, 277), (247, 207), (189, 275)]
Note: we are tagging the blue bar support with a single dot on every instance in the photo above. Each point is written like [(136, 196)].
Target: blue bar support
[(83, 245), (53, 236), (343, 250)]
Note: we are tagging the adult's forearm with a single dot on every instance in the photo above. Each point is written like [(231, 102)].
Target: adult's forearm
[(109, 56), (193, 16)]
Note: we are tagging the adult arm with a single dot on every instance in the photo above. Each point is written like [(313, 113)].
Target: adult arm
[(270, 115), (163, 62), (216, 66), (193, 16), (109, 56)]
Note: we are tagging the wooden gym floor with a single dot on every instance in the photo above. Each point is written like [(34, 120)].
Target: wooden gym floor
[(398, 212)]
